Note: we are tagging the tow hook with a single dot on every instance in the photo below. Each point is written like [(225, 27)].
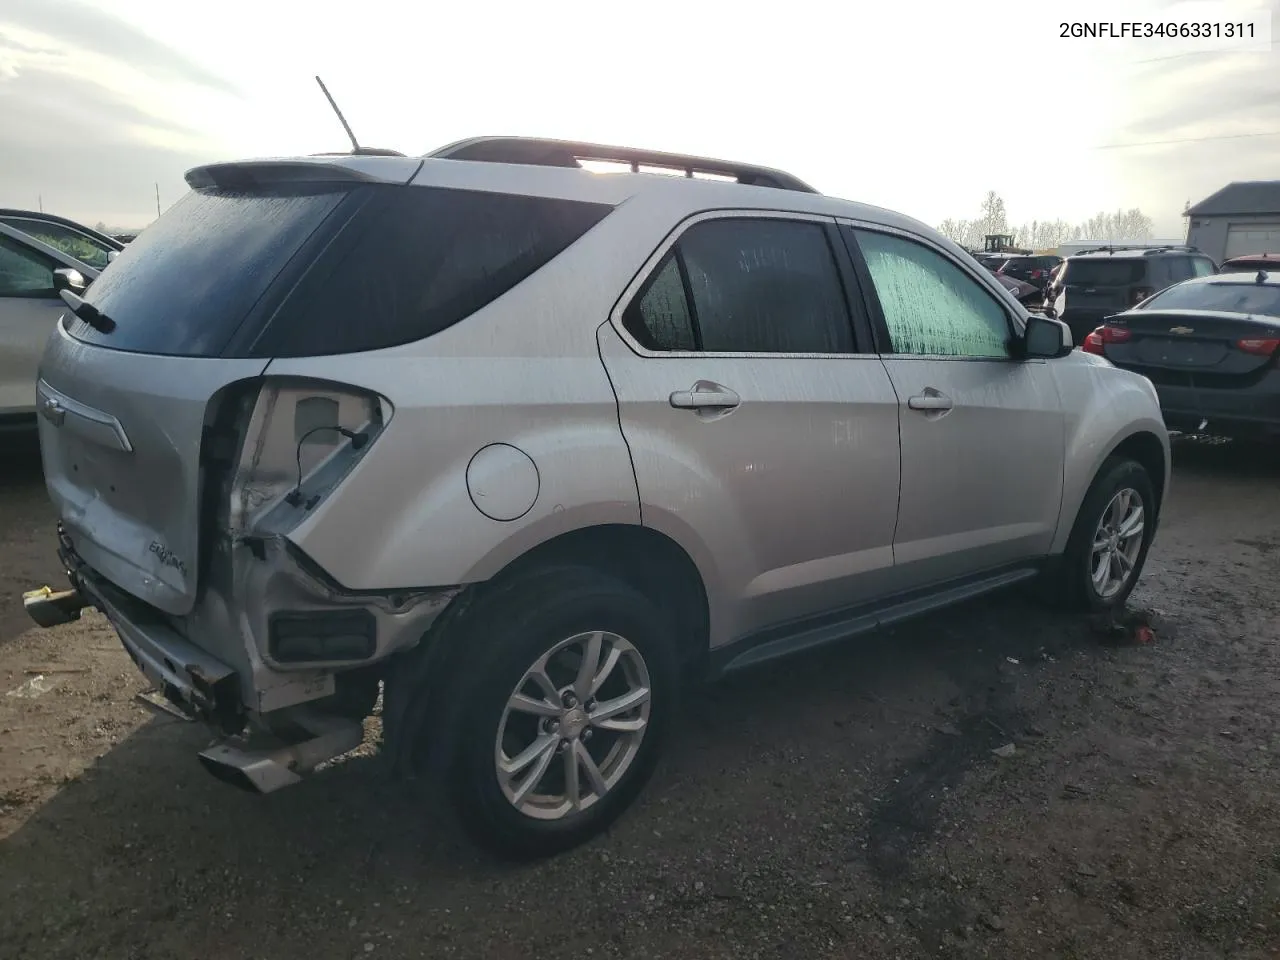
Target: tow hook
[(52, 608)]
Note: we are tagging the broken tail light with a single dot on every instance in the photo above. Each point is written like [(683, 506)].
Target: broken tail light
[(1101, 336), (300, 441)]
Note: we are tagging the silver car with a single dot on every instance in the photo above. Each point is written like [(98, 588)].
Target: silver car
[(40, 255), (530, 449)]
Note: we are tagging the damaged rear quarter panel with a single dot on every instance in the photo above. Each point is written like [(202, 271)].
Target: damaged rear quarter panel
[(523, 371)]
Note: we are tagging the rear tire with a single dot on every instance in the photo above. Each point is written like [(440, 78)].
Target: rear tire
[(1108, 545), (539, 767)]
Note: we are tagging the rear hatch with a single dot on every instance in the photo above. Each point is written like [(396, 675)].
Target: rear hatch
[(1101, 286), (1193, 348), (125, 404)]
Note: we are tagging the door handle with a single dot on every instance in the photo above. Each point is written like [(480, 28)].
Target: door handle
[(705, 396), (931, 399)]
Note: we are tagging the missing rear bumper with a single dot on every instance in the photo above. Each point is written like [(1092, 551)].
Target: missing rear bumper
[(296, 745)]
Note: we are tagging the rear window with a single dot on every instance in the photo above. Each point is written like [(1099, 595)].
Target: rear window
[(362, 268), (1103, 273), (1229, 297), (185, 285)]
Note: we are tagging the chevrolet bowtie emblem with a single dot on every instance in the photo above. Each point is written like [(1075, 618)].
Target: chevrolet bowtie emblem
[(1181, 330)]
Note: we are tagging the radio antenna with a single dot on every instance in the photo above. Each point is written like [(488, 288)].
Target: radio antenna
[(343, 120)]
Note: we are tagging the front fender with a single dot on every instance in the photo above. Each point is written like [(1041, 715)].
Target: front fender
[(1104, 407)]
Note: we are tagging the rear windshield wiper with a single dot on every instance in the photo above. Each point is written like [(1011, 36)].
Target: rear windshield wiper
[(88, 313)]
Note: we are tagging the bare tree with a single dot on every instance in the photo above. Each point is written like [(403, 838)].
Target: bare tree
[(1120, 226), (957, 231), (992, 217)]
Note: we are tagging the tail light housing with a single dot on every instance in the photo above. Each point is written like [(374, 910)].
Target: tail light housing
[(1262, 347), (299, 442), (1101, 336), (1140, 294)]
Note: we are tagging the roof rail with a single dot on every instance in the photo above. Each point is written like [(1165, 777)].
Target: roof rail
[(1170, 246), (567, 153), (361, 152), (1143, 250)]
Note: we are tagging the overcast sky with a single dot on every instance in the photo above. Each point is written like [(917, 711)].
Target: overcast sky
[(921, 107)]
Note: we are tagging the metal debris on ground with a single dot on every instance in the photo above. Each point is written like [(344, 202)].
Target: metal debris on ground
[(37, 686), (157, 701), (1124, 628)]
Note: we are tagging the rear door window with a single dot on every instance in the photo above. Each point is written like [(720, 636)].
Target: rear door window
[(745, 285), (659, 318)]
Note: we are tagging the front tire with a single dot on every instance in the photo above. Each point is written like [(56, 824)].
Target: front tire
[(1108, 545), (568, 685)]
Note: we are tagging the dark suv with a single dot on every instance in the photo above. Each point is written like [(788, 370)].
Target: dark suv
[(1095, 284), (1034, 269)]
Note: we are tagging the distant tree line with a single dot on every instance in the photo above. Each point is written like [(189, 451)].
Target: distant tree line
[(1045, 234)]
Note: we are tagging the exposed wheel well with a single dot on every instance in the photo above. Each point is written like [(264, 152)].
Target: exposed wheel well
[(651, 562), (1147, 450)]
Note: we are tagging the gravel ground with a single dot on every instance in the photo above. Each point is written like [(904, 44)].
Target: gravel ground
[(997, 781)]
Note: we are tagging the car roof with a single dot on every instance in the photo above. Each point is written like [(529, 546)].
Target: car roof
[(9, 212), (551, 168), (1254, 258)]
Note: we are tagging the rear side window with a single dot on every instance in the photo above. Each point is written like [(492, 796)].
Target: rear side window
[(1103, 273), (742, 285), (380, 265), (417, 260), (185, 285), (1202, 267)]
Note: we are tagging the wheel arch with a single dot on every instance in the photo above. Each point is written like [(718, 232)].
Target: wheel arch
[(1145, 442), (417, 685)]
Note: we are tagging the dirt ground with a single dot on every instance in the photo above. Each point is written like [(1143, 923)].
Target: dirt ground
[(846, 804)]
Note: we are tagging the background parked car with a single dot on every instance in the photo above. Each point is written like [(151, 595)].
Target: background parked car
[(32, 271), (85, 244), (1027, 294), (1098, 283), (1034, 269), (1211, 346), (1252, 263)]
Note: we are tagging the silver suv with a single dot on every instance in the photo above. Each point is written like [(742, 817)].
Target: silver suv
[(527, 448)]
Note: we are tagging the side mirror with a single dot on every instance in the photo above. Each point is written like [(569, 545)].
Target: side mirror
[(112, 254), (1045, 338), (70, 279)]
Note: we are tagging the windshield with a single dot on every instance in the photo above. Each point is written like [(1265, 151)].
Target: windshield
[(1103, 273), (1228, 297)]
